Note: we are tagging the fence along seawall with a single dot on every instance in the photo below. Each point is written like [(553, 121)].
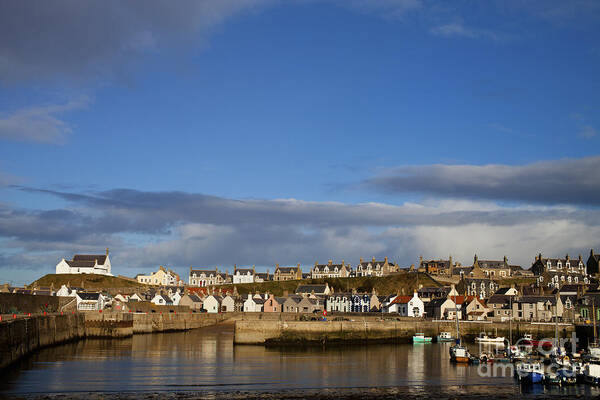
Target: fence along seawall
[(23, 335)]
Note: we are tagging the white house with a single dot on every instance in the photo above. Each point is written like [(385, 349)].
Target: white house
[(123, 298), (161, 300), (85, 264), (65, 291), (135, 297), (212, 303), (254, 304), (407, 306), (175, 297), (339, 302), (243, 275), (228, 304), (89, 301)]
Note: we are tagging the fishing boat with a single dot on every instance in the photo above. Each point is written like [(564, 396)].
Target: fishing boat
[(591, 374), (445, 337), (529, 372), (483, 338), (516, 354), (459, 354), (579, 370), (420, 337)]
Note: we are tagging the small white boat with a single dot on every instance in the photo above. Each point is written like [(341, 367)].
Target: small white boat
[(445, 337), (591, 374), (483, 338)]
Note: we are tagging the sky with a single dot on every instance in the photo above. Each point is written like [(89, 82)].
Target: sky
[(254, 132)]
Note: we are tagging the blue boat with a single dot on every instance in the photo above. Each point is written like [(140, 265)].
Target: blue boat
[(529, 372)]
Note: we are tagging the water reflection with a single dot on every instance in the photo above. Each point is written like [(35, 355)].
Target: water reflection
[(206, 359)]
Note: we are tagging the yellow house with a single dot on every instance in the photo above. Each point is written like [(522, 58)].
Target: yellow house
[(161, 277)]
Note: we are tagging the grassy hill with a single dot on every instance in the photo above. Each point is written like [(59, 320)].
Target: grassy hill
[(402, 282), (86, 281)]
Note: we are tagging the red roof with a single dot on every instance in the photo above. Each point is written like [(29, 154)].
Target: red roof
[(401, 299), (461, 299), (197, 290)]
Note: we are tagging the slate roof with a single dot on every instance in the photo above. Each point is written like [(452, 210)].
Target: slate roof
[(86, 260), (206, 272), (243, 271), (311, 288), (287, 270), (491, 263), (536, 299), (89, 296), (499, 299)]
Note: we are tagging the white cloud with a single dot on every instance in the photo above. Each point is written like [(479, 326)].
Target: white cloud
[(40, 124)]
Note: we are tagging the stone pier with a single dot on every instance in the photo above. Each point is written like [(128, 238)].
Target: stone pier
[(371, 330)]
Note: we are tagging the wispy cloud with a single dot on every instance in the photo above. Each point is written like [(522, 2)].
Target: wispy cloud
[(457, 29), (40, 124), (565, 181), (588, 132), (388, 9), (500, 128)]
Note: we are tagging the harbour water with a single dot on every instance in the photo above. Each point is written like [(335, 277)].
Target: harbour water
[(206, 361)]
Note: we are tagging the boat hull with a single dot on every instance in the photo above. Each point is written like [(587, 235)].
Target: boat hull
[(421, 340)]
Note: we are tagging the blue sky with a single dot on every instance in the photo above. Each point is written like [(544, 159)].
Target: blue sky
[(328, 104)]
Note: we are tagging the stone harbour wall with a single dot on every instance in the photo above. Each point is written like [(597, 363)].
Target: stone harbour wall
[(22, 335), (299, 332)]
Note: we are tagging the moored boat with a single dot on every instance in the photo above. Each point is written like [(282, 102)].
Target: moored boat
[(420, 337), (529, 372), (459, 354), (483, 338), (445, 337), (591, 374)]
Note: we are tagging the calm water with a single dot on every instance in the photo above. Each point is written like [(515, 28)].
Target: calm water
[(207, 360)]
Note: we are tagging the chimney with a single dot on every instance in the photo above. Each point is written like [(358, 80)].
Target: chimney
[(330, 262), (361, 260), (385, 259), (107, 252), (373, 260)]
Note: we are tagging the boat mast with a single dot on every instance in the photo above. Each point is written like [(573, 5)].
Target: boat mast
[(510, 323), (457, 325), (556, 322), (594, 319)]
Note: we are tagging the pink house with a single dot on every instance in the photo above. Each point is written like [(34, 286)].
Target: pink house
[(274, 304)]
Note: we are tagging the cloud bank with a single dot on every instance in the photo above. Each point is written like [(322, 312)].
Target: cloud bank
[(179, 229), (566, 181)]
